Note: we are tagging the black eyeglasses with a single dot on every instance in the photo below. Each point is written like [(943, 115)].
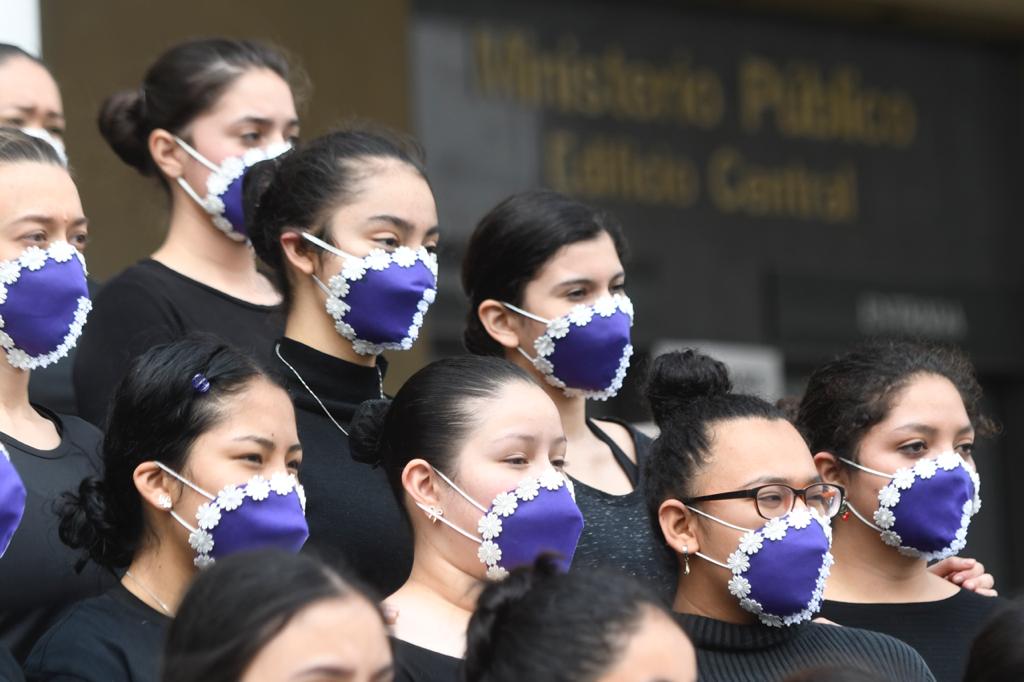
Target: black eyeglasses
[(777, 499)]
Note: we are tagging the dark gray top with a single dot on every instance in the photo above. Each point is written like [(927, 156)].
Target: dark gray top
[(617, 530)]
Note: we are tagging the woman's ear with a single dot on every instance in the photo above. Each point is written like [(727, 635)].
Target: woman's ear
[(830, 468), (297, 252), (678, 527), (499, 322), (155, 486), (420, 483), (167, 154)]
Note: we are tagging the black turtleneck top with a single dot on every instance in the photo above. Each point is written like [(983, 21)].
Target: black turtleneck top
[(727, 652), (942, 631), (351, 511)]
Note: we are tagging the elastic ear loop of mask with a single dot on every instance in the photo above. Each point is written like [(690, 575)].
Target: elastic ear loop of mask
[(705, 557), (535, 318), (445, 521), (849, 504), (327, 247), (174, 514)]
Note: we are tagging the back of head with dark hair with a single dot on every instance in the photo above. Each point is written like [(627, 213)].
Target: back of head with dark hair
[(430, 416), (156, 415), (545, 626), (183, 83), (17, 147), (688, 393), (299, 191), (513, 242), (997, 654), (236, 607), (846, 397)]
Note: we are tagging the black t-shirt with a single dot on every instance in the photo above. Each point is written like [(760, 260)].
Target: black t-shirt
[(617, 530), (149, 304), (942, 631), (416, 664), (114, 637), (350, 508), (37, 576), (10, 671)]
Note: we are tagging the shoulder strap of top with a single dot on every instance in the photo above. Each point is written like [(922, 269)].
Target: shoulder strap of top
[(627, 465)]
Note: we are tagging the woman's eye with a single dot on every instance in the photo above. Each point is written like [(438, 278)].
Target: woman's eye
[(770, 500), (576, 294), (295, 465), (965, 450), (254, 458), (915, 448), (618, 288), (36, 238), (559, 463), (56, 132), (517, 460), (251, 138), (388, 242), (13, 122), (431, 248)]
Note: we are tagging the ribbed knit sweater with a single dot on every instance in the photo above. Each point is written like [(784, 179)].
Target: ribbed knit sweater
[(727, 652)]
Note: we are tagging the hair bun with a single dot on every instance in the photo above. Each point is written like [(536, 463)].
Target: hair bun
[(366, 432), (678, 379), (122, 122), (255, 185)]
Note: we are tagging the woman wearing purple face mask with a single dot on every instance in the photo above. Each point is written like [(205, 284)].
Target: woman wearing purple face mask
[(205, 112), (473, 452), (546, 285), (348, 226), (912, 491), (43, 306), (30, 101), (732, 489), (200, 462)]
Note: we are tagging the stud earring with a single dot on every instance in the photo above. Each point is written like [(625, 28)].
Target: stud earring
[(165, 501), (435, 513), (686, 560)]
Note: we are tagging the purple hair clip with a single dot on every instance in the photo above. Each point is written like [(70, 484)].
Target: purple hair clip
[(200, 383)]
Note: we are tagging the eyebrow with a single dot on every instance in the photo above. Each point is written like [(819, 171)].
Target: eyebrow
[(29, 108), (768, 480), (48, 220), (931, 430), (587, 280), (264, 121), (516, 436), (402, 224), (267, 443)]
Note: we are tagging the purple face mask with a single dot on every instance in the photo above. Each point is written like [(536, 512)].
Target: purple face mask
[(779, 570), (44, 302), (223, 200), (539, 516), (926, 509), (378, 302), (12, 500), (260, 514), (586, 352)]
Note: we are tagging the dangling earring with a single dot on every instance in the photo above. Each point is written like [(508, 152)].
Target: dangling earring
[(846, 512), (686, 560), (165, 501)]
